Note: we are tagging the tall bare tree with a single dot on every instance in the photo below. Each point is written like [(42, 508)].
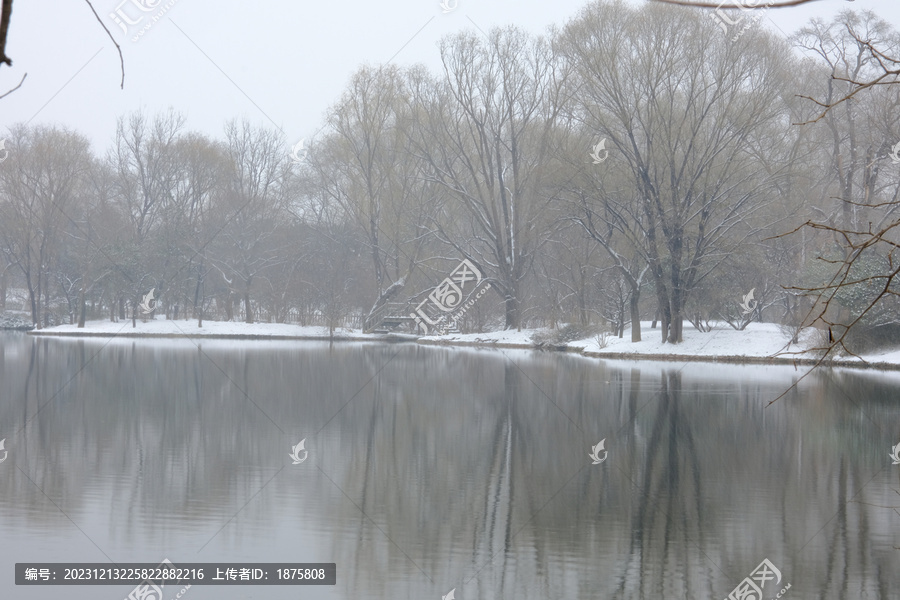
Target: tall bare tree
[(39, 182), (364, 166), (490, 140), (252, 208), (682, 111)]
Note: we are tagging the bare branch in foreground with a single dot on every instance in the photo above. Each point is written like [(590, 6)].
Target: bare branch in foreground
[(118, 48), (15, 88)]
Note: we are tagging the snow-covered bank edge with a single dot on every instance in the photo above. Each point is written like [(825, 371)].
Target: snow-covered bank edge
[(220, 330), (760, 343), (732, 359)]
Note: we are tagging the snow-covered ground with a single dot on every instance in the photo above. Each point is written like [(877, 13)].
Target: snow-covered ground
[(210, 329), (758, 342)]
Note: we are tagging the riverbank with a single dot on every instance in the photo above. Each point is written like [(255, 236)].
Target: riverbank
[(759, 343), (160, 328)]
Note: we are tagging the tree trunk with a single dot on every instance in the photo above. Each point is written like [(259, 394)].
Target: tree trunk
[(3, 283), (229, 307), (247, 310), (82, 308), (582, 310), (512, 312), (665, 320), (35, 314), (45, 305), (635, 317), (676, 327), (511, 303), (122, 307)]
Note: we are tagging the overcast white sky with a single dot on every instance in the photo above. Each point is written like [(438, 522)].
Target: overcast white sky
[(279, 62)]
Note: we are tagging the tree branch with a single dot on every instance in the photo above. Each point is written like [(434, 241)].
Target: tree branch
[(118, 48), (15, 88)]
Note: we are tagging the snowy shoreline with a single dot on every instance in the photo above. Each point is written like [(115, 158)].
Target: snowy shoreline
[(759, 343)]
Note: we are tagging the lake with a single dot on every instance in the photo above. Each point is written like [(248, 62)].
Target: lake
[(432, 469)]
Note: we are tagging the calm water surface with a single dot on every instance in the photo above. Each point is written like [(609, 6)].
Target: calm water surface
[(432, 468)]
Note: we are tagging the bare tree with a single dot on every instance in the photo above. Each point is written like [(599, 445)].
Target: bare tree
[(490, 140), (852, 287), (251, 210), (365, 167), (888, 61), (39, 182), (683, 114)]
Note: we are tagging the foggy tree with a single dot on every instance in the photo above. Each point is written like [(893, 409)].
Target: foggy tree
[(888, 59), (145, 166), (88, 235), (364, 166), (251, 209), (852, 282), (566, 275), (489, 139), (38, 183), (202, 169), (146, 174), (681, 109), (612, 220)]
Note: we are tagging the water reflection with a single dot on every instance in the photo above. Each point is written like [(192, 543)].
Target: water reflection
[(432, 468)]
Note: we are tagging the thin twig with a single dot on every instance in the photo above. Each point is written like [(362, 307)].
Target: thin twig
[(15, 88), (118, 48)]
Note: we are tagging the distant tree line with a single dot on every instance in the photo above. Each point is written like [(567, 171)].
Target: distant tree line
[(632, 164)]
